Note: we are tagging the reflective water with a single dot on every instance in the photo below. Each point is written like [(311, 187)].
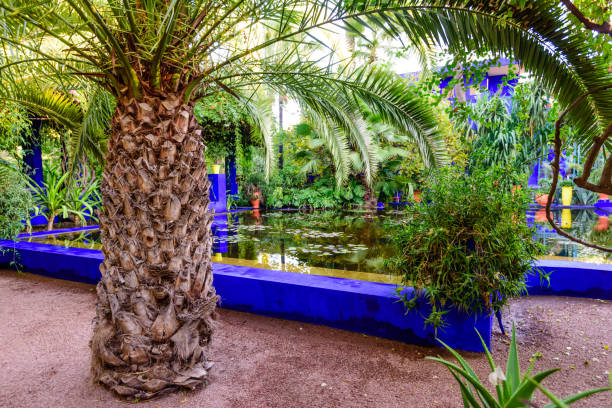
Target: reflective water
[(352, 243), (592, 225)]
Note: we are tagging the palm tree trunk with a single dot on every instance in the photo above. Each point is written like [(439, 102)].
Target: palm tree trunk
[(155, 302)]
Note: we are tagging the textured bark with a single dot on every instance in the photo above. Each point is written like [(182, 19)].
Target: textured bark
[(155, 300)]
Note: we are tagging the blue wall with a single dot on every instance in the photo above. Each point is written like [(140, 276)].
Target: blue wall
[(32, 158), (576, 279), (361, 306), (218, 197)]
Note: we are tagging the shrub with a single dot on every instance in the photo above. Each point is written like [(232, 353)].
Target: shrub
[(15, 202), (466, 244)]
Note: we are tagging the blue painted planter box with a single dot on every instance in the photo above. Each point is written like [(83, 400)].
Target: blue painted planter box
[(365, 307), (355, 305), (360, 306), (576, 279)]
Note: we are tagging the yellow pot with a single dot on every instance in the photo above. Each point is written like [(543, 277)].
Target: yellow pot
[(566, 217), (217, 257), (566, 195), (216, 169)]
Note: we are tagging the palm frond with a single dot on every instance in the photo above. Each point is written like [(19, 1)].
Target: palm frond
[(335, 142), (89, 138), (262, 123)]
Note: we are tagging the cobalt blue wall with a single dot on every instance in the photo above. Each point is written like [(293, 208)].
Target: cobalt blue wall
[(75, 264), (576, 279), (361, 306), (32, 158), (218, 198), (365, 307)]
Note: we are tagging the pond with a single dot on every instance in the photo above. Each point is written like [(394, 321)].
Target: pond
[(350, 244)]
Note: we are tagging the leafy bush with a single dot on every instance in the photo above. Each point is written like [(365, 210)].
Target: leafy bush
[(512, 390), (467, 244), (15, 202), (322, 193)]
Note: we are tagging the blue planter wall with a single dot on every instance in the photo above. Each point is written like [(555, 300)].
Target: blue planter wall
[(218, 195), (361, 306), (576, 279)]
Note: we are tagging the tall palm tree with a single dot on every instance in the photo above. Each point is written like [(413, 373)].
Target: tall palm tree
[(156, 298)]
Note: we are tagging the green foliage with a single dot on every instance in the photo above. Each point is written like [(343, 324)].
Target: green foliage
[(514, 134), (584, 197), (512, 390), (15, 203), (14, 126), (389, 181), (320, 194), (467, 244), (566, 183), (60, 197), (225, 127)]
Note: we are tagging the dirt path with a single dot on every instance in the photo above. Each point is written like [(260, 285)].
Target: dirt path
[(45, 327)]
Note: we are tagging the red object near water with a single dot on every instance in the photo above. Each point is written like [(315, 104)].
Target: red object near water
[(542, 199), (417, 196), (540, 215), (603, 223)]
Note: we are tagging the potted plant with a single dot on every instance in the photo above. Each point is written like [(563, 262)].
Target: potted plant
[(567, 187), (254, 196), (216, 151), (442, 250), (252, 189), (542, 191)]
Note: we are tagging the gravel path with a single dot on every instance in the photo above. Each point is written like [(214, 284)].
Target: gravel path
[(45, 326)]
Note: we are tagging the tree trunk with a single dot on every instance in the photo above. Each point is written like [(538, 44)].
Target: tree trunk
[(155, 300), (370, 201), (50, 222)]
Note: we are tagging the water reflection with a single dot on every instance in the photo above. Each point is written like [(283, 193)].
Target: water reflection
[(352, 244), (582, 223), (566, 218)]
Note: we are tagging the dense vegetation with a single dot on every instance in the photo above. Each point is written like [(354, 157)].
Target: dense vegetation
[(467, 243)]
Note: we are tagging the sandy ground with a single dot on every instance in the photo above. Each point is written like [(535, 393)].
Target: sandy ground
[(45, 327)]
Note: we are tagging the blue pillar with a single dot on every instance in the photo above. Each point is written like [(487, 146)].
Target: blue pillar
[(230, 164), (534, 179), (562, 162), (218, 198), (32, 158)]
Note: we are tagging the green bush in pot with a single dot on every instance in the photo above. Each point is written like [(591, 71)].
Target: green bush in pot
[(467, 244)]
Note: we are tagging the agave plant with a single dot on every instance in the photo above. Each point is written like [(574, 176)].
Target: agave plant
[(156, 298), (512, 389)]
